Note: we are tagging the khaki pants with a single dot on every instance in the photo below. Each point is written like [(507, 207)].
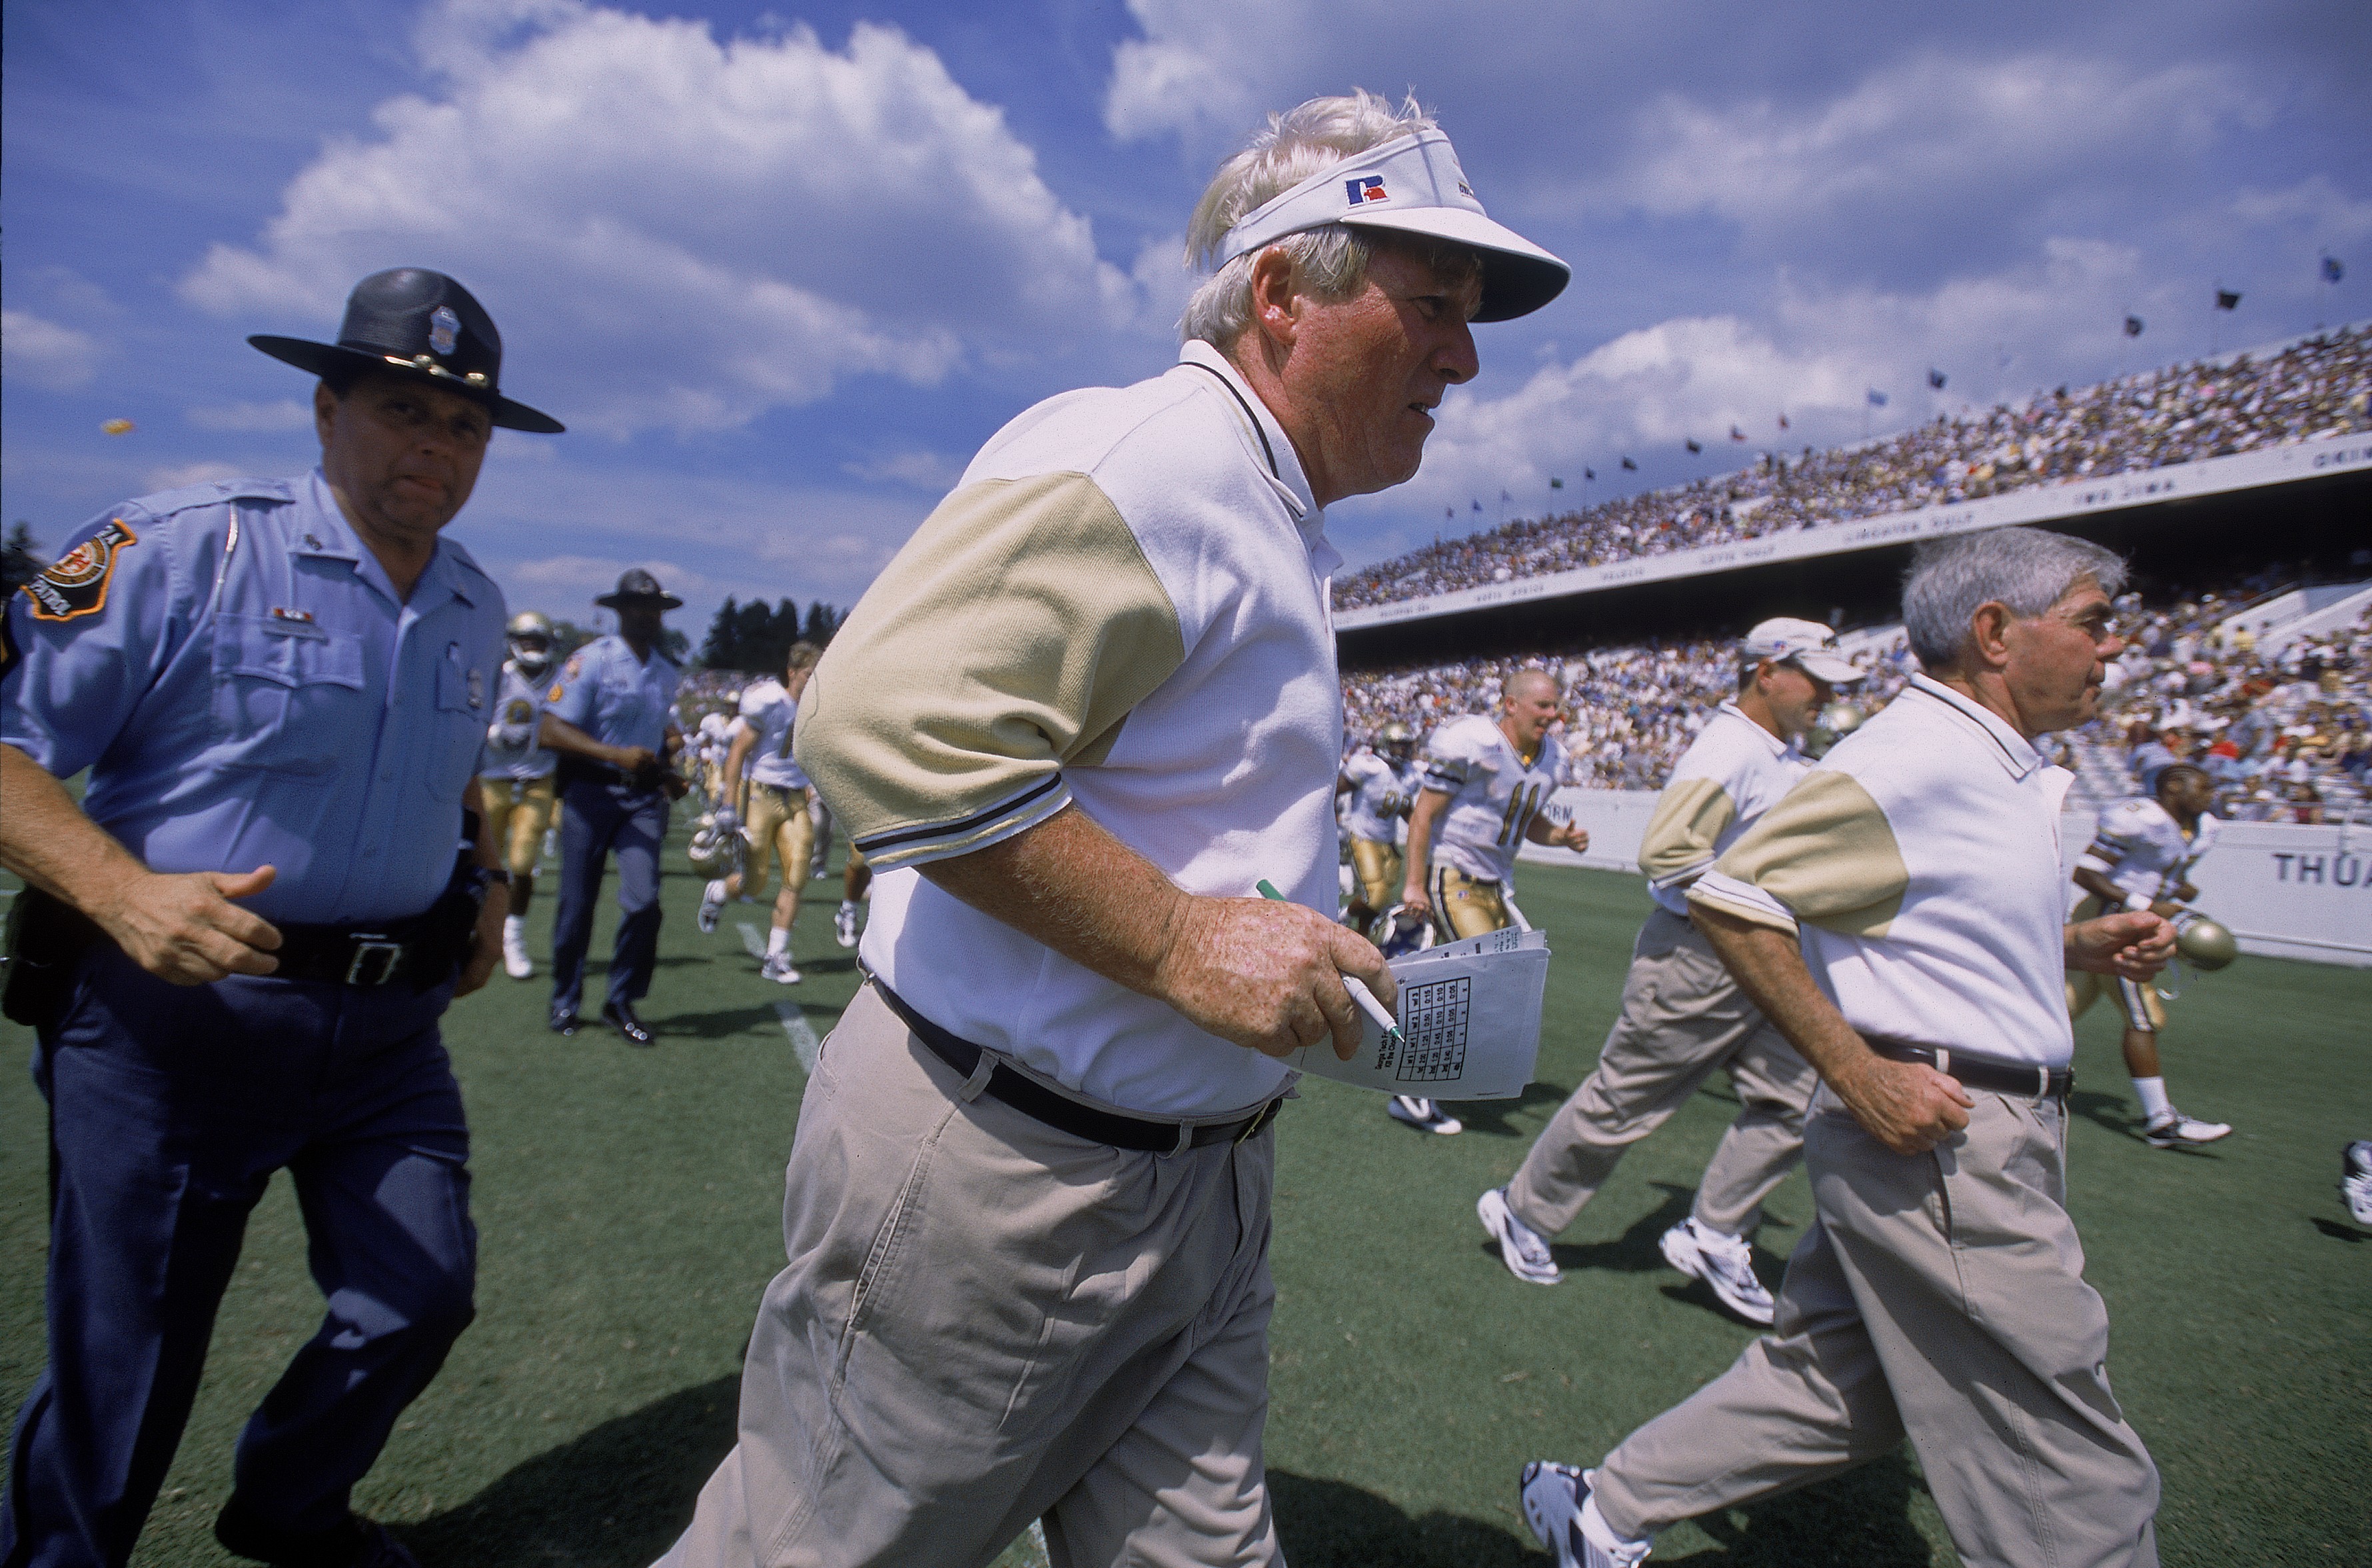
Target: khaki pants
[(1683, 1017), (1466, 906), (1378, 867), (778, 830), (1940, 1294), (986, 1321), (518, 812)]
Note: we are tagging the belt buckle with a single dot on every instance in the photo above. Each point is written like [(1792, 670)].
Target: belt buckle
[(368, 945)]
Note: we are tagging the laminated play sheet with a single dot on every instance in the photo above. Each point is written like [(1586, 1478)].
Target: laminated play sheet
[(1469, 1012)]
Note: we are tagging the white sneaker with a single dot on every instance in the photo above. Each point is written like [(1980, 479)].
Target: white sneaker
[(1565, 1520), (1520, 1247), (515, 963), (1420, 1113), (1725, 1262), (843, 926), (2356, 1181), (712, 905), (779, 968), (2174, 1130)]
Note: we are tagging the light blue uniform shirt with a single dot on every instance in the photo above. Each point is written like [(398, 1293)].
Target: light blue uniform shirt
[(616, 698), (234, 668)]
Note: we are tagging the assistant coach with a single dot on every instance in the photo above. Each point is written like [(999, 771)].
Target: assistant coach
[(1078, 718), (245, 935)]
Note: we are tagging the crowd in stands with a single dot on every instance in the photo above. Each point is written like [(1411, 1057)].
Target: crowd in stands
[(2285, 731), (2320, 385)]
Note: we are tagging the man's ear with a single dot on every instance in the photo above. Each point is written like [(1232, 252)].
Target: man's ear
[(1273, 297), (325, 411), (1989, 630)]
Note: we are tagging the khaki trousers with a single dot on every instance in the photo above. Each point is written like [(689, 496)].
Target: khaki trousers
[(1683, 1017), (986, 1321), (1942, 1295)]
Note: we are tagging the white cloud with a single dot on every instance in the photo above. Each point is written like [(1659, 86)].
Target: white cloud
[(284, 413), (173, 476), (933, 471), (678, 231), (44, 354)]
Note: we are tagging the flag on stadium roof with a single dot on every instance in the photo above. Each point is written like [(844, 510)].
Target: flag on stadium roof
[(1632, 466), (2333, 270), (2226, 300), (1504, 496), (1477, 505), (1876, 398), (1783, 419), (1587, 474), (1692, 445), (1935, 379), (1736, 434), (1555, 483), (2133, 326)]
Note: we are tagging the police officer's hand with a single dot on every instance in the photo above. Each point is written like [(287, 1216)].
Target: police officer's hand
[(486, 943), (1907, 1106), (2132, 944), (631, 759), (1269, 975), (183, 927)]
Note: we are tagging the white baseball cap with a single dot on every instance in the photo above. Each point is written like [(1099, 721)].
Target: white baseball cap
[(1804, 642), (1411, 183)]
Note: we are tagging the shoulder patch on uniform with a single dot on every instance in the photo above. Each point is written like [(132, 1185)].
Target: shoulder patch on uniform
[(76, 584), (556, 693)]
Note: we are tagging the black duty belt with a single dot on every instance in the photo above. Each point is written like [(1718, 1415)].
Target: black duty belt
[(1977, 1070), (394, 951), (1035, 1100)]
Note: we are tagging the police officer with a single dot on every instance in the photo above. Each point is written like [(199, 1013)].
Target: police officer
[(611, 716), (241, 942)]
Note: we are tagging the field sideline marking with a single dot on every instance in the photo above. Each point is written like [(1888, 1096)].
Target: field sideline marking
[(794, 1022), (751, 939)]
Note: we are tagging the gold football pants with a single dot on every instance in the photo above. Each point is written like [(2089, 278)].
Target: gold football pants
[(517, 811), (779, 830)]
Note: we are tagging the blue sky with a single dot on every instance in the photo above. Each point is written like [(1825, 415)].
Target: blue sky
[(781, 270)]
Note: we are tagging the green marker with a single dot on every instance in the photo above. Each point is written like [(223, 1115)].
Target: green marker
[(1352, 984)]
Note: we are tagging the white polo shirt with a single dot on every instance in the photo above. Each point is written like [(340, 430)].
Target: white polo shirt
[(1732, 774), (1920, 862), (1122, 606)]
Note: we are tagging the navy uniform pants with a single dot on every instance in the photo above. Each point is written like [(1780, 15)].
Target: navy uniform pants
[(170, 1109), (601, 818)]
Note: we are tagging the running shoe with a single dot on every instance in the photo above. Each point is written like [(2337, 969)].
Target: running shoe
[(1725, 1262), (1424, 1113), (1520, 1247)]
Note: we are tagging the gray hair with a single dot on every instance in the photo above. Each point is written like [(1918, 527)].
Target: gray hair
[(1331, 261), (2026, 569)]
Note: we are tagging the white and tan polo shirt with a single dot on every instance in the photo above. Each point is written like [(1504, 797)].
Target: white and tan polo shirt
[(1122, 606), (1732, 774), (1920, 862)]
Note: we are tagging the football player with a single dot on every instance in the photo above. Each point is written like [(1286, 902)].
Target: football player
[(515, 775), (715, 739), (1485, 782), (2140, 858), (778, 826), (1381, 784)]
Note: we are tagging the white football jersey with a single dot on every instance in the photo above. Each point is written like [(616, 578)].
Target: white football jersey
[(1493, 794), (511, 751), (1381, 791), (2141, 848), (768, 709)]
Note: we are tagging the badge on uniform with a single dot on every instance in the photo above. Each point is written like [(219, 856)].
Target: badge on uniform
[(477, 688), (76, 584)]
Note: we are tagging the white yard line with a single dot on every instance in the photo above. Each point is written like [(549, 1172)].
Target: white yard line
[(751, 939), (803, 1036)]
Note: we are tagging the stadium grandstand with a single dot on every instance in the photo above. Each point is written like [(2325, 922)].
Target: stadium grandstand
[(2239, 487)]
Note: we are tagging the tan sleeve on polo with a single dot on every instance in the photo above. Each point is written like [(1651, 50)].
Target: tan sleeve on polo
[(1010, 637), (1690, 816), (1826, 852)]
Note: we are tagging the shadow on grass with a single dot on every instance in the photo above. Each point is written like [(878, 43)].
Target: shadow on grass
[(1489, 1117), (2104, 1110), (719, 1025), (616, 1497), (2338, 1231)]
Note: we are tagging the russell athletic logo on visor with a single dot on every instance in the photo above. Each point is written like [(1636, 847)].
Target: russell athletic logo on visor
[(1409, 185)]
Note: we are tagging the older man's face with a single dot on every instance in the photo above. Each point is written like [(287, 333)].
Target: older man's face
[(2058, 659), (1372, 367)]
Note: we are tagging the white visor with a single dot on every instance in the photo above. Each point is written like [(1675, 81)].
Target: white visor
[(1412, 184)]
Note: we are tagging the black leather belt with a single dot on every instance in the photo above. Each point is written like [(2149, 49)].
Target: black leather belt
[(1035, 1100), (1976, 1070), (343, 956)]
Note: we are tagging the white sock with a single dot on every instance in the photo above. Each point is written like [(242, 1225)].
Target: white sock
[(778, 942), (848, 906), (2154, 1101), (513, 928)]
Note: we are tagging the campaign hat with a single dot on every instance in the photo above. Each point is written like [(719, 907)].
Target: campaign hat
[(638, 586), (411, 321)]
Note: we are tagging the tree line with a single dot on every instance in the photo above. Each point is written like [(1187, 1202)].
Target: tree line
[(754, 638)]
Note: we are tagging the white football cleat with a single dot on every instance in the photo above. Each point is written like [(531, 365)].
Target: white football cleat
[(779, 968), (1418, 1111), (843, 926), (1725, 1262), (515, 963), (1565, 1520), (712, 904), (2356, 1180), (2174, 1130), (1520, 1247)]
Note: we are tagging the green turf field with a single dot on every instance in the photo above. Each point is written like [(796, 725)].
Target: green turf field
[(627, 1203)]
